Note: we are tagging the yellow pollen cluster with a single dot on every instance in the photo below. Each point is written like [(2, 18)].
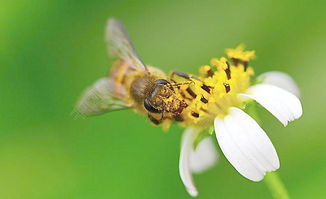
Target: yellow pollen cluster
[(240, 53), (216, 89)]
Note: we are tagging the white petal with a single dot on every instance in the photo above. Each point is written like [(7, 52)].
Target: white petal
[(246, 145), (283, 105), (204, 157), (187, 141), (281, 80)]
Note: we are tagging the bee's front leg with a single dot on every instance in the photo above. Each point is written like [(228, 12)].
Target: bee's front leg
[(180, 74), (154, 119), (183, 75)]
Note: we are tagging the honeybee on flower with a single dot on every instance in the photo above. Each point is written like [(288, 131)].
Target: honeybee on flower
[(216, 97)]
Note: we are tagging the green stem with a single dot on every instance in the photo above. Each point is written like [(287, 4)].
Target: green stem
[(276, 186)]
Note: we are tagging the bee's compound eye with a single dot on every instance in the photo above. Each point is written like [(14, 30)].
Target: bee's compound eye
[(148, 106), (161, 81)]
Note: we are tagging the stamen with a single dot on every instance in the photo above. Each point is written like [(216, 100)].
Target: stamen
[(206, 88), (191, 92), (235, 61), (227, 87), (228, 64), (228, 73), (210, 73), (245, 64), (204, 100), (194, 114)]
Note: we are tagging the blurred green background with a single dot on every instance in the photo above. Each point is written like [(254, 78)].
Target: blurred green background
[(51, 50)]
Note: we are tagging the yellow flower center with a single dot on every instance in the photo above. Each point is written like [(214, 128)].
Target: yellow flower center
[(216, 89)]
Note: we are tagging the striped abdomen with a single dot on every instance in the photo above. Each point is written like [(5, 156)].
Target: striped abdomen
[(122, 74)]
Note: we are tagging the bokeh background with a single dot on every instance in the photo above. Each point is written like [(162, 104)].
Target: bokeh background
[(51, 50)]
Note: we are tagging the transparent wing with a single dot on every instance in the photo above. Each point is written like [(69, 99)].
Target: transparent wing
[(120, 44), (98, 99)]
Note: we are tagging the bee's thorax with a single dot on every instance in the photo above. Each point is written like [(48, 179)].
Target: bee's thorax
[(141, 88)]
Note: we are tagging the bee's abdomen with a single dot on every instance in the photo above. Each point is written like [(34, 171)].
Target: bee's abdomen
[(122, 75)]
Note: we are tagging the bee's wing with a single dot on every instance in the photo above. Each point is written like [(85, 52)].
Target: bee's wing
[(120, 44), (97, 99)]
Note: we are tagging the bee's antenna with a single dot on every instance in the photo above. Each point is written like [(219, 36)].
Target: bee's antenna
[(182, 83)]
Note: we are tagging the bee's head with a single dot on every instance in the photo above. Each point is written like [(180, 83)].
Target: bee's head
[(161, 98), (159, 93)]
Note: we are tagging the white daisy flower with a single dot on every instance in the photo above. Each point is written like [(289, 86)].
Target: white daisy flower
[(217, 97), (243, 142)]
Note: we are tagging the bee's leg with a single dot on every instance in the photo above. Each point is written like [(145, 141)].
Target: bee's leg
[(180, 74), (162, 116), (154, 120), (178, 117), (183, 75)]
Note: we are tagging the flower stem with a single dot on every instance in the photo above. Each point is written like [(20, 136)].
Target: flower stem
[(276, 186)]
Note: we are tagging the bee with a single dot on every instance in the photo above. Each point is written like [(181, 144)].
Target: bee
[(132, 84)]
